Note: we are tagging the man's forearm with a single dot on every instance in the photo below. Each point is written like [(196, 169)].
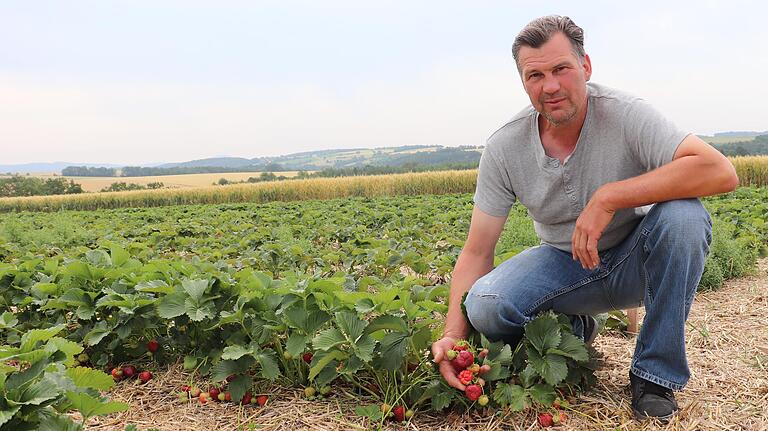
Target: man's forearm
[(685, 177), (469, 268)]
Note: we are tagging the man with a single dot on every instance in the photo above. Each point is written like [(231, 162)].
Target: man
[(587, 161)]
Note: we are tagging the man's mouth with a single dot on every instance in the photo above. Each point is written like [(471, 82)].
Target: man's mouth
[(554, 101)]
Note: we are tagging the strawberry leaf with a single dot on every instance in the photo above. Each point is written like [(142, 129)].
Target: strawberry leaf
[(513, 396), (572, 347), (543, 332), (542, 394)]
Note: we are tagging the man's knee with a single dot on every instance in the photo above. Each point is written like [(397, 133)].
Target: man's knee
[(490, 313), (686, 220)]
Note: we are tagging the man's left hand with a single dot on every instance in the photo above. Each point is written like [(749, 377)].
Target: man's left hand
[(589, 227)]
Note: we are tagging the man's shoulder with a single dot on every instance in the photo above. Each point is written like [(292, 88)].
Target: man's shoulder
[(608, 95), (514, 130)]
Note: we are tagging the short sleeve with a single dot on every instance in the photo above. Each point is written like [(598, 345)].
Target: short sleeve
[(492, 195), (652, 137)]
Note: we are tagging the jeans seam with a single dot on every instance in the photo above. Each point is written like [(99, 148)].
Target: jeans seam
[(563, 291), (654, 379)]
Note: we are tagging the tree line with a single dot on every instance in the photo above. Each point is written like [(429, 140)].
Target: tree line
[(755, 147), (17, 186)]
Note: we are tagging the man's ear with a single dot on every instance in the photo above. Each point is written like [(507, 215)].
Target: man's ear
[(587, 67)]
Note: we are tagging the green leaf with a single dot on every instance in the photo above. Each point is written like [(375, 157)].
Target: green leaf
[(296, 344), (393, 323), (552, 368), (195, 288), (90, 406), (441, 400), (31, 338), (98, 258), (328, 339), (364, 348), (364, 305), (7, 413), (351, 326), (501, 353), (172, 305), (199, 311), (55, 422), (542, 394), (17, 380), (119, 255), (235, 352), (38, 393), (154, 286), (222, 369), (372, 412), (70, 348), (571, 346), (190, 362), (269, 368), (324, 359), (78, 269), (513, 396), (88, 378), (543, 332), (8, 320), (238, 386), (393, 348)]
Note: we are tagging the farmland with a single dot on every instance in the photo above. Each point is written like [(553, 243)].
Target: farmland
[(248, 289), (95, 184)]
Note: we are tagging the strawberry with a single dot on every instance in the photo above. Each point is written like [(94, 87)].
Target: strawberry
[(185, 388), (483, 353), (145, 376), (262, 400), (307, 357), (203, 398), (117, 374), (227, 396), (451, 354), (399, 413), (485, 368), (246, 398), (214, 392), (287, 355), (409, 413), (309, 392), (153, 345), (82, 358), (129, 371), (386, 409), (545, 420), (465, 377), (254, 400), (483, 400), (460, 345), (473, 392), (463, 360), (475, 368), (194, 392), (559, 418), (221, 396)]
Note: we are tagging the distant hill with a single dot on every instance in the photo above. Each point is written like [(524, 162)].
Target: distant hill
[(47, 167)]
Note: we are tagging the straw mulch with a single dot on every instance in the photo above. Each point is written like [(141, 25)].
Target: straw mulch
[(727, 352)]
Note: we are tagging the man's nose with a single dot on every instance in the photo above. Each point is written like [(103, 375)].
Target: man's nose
[(551, 84)]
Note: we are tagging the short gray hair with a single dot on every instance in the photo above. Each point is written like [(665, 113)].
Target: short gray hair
[(540, 30)]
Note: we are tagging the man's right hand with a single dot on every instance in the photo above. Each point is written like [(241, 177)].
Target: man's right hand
[(439, 349)]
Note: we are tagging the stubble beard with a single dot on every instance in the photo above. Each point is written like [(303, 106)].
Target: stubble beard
[(569, 115)]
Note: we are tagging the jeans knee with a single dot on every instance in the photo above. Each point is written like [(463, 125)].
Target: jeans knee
[(491, 314), (686, 219)]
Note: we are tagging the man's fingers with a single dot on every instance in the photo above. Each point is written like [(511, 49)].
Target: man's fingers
[(592, 249), (449, 374)]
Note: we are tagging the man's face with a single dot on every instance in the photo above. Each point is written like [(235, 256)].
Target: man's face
[(555, 80)]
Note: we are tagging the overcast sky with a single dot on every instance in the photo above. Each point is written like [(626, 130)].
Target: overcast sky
[(131, 82)]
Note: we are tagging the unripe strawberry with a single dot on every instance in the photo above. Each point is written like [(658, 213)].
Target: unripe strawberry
[(287, 355), (82, 358), (481, 382), (409, 413), (309, 392), (399, 413), (221, 396), (203, 398), (485, 368), (475, 368), (194, 392), (473, 392), (483, 400), (451, 354), (386, 409), (483, 353), (545, 420)]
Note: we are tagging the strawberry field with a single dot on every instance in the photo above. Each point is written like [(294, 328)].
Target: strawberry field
[(337, 298)]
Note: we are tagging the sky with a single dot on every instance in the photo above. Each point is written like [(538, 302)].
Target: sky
[(137, 82)]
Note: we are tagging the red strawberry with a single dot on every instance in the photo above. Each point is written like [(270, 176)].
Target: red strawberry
[(246, 398), (117, 373), (194, 392), (213, 391), (262, 399), (460, 345), (399, 413), (129, 371), (545, 420), (203, 398), (465, 377), (227, 396), (145, 376), (307, 357), (153, 346), (185, 388), (473, 392), (464, 359)]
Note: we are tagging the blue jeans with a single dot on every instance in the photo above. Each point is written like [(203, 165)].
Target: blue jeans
[(659, 265)]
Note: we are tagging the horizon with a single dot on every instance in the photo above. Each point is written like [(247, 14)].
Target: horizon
[(143, 83)]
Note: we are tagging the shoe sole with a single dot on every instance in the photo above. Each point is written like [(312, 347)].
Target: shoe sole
[(640, 416)]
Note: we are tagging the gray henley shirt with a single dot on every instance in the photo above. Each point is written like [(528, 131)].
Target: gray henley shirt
[(622, 137)]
